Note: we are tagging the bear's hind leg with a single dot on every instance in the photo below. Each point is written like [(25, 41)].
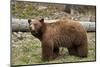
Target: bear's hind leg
[(82, 50), (73, 51)]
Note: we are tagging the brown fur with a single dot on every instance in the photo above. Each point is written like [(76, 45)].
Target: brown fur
[(68, 33)]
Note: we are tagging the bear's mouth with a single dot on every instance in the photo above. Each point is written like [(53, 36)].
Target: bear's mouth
[(34, 33)]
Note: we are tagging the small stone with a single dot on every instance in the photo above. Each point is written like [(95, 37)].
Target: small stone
[(42, 7), (19, 35)]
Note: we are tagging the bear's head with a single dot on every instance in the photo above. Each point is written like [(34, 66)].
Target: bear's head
[(35, 27)]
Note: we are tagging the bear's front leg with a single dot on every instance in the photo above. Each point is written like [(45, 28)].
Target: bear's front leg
[(47, 51), (55, 52)]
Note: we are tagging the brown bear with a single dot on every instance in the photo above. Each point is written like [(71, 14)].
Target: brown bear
[(62, 33)]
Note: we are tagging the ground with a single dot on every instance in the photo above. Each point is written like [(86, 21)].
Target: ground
[(26, 49)]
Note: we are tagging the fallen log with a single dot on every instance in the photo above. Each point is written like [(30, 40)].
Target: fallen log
[(23, 26), (20, 25)]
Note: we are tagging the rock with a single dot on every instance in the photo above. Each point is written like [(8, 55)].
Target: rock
[(92, 18), (42, 8), (19, 35)]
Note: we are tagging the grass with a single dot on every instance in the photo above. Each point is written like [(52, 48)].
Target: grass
[(28, 51)]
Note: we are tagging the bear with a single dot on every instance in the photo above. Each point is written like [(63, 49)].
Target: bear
[(63, 33)]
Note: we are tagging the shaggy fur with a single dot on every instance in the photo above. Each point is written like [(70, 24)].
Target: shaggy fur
[(68, 33)]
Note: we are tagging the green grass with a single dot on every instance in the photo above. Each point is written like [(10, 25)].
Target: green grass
[(28, 51)]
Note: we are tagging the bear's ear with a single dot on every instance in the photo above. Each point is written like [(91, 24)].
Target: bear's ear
[(29, 20), (42, 20)]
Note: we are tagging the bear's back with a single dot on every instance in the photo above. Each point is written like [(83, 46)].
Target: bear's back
[(65, 26), (64, 32)]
